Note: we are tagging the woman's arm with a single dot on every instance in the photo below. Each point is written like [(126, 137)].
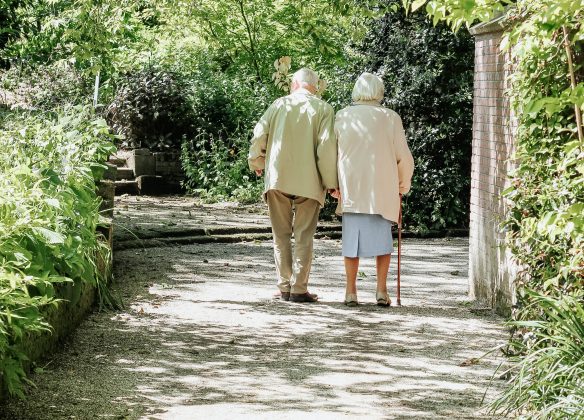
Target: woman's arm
[(405, 160)]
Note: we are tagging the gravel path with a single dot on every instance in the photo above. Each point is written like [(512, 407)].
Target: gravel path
[(201, 338)]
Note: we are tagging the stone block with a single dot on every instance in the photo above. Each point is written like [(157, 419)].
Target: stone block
[(142, 164), (106, 190), (106, 228), (111, 172), (125, 173), (127, 187), (151, 185), (141, 152)]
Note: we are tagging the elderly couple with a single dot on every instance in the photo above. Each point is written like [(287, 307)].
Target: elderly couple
[(360, 157)]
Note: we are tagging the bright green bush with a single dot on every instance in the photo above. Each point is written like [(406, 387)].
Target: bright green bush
[(49, 212), (226, 110), (546, 220), (548, 368), (216, 168)]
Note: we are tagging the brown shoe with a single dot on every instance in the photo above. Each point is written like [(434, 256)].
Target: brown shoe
[(283, 296), (303, 297)]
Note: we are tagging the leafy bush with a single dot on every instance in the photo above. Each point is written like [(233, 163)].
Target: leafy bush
[(215, 159), (548, 378), (151, 109), (216, 168), (546, 219), (47, 87), (48, 219), (428, 76)]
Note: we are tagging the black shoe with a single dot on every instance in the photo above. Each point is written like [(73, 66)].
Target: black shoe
[(285, 296), (303, 297)]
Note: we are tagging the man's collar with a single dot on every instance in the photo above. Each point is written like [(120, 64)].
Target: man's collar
[(302, 91), (372, 102)]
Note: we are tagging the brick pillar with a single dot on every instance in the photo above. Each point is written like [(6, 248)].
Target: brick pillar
[(490, 267)]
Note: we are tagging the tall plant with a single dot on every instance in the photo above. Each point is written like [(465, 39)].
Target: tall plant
[(49, 212)]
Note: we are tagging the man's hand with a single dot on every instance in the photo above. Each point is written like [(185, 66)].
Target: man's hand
[(335, 193), (259, 172)]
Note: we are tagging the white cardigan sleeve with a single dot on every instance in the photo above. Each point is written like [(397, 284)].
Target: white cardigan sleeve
[(405, 160)]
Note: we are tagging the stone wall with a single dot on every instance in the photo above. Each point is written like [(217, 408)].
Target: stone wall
[(168, 165), (490, 267)]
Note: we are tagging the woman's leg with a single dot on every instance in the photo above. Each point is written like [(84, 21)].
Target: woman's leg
[(351, 269), (382, 262)]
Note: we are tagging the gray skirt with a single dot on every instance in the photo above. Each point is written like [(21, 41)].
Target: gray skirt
[(366, 235)]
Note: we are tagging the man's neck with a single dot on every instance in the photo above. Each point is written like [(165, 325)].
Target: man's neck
[(304, 89)]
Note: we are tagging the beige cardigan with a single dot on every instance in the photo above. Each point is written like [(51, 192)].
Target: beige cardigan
[(375, 163), (294, 142)]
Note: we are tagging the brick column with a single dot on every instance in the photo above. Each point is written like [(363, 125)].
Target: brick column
[(490, 267)]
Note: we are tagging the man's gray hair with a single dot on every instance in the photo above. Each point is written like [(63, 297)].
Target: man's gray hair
[(306, 76), (368, 87)]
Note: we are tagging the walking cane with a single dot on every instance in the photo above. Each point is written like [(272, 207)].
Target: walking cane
[(399, 227)]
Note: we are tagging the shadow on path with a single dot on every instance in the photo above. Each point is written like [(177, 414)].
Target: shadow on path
[(201, 338)]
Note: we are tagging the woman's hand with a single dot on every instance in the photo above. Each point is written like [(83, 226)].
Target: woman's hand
[(335, 193)]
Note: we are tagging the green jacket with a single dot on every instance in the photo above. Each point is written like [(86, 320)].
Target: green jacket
[(294, 141)]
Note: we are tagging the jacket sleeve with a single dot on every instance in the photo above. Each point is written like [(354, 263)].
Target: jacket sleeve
[(256, 157), (405, 161), (326, 150)]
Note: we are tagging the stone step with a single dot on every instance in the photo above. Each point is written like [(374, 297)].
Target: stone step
[(125, 173), (106, 190), (127, 187), (111, 173), (117, 161)]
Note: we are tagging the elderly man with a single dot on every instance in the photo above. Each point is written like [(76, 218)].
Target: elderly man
[(294, 142)]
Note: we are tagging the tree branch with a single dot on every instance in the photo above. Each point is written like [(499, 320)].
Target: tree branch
[(577, 110), (251, 41)]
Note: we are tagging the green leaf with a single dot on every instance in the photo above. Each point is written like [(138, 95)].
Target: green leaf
[(416, 4), (50, 236)]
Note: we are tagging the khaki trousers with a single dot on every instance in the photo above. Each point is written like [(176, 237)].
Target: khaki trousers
[(299, 215)]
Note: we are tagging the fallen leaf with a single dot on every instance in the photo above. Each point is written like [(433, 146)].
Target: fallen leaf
[(470, 362)]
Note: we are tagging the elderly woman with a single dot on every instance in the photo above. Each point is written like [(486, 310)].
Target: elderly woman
[(375, 167)]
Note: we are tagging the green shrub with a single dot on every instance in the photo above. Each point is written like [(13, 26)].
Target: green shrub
[(216, 167), (215, 159), (48, 87), (548, 365), (151, 109), (49, 212), (546, 219)]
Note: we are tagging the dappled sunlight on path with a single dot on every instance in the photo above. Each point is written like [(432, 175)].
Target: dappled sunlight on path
[(202, 338)]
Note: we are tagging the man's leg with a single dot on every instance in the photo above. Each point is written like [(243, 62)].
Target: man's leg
[(280, 208), (305, 220)]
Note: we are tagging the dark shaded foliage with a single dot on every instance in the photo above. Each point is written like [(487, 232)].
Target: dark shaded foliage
[(151, 109), (428, 74)]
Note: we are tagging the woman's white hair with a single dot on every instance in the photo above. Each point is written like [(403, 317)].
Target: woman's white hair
[(305, 76), (368, 87)]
